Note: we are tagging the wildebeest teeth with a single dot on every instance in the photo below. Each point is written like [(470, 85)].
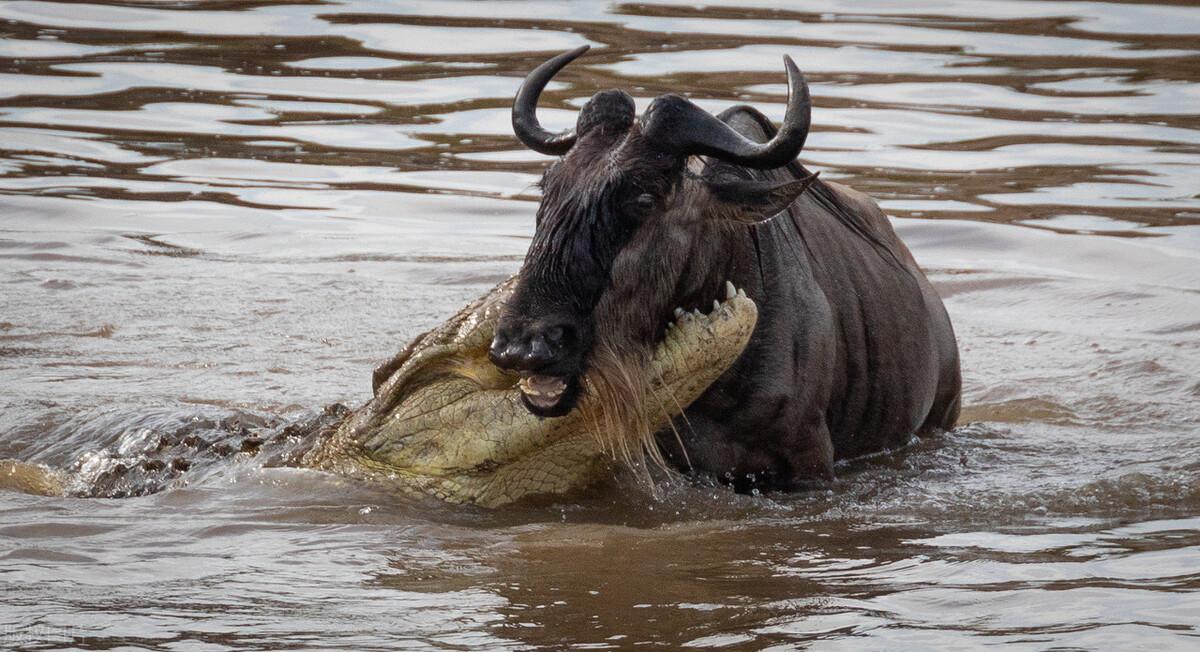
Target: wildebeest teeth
[(730, 291), (542, 385)]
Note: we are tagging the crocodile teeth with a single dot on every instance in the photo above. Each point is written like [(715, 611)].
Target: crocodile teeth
[(720, 309)]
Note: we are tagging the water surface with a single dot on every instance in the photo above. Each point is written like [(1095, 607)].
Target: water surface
[(220, 216)]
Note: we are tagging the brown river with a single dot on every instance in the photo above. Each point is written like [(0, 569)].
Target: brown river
[(218, 216)]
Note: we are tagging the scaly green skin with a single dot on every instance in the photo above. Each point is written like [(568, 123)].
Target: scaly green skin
[(449, 424)]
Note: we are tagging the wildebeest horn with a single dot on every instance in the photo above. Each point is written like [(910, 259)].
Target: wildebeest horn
[(679, 126), (524, 111)]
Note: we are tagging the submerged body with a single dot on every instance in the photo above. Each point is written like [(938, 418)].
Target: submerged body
[(443, 422)]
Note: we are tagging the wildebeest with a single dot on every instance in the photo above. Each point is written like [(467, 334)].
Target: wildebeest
[(643, 217)]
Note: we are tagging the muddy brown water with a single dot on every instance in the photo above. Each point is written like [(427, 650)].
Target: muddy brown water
[(218, 212)]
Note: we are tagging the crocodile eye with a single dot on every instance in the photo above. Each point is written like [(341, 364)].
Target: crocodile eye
[(645, 201)]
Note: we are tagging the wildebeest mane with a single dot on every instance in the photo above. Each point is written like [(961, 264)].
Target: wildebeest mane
[(831, 202)]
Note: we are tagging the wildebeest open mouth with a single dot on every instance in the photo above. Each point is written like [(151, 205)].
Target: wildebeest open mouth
[(547, 395), (553, 395)]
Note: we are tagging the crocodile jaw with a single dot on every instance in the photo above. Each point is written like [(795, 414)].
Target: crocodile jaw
[(450, 424)]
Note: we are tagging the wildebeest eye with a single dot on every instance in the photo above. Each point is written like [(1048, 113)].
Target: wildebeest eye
[(644, 201)]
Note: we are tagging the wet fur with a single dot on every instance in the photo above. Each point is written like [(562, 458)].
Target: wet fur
[(830, 373), (657, 264)]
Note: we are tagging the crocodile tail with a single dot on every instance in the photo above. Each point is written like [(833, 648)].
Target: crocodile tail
[(31, 478)]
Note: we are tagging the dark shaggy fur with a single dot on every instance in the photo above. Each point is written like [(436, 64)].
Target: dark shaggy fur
[(853, 352)]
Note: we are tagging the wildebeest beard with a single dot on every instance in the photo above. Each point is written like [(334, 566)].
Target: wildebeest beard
[(582, 234), (628, 325)]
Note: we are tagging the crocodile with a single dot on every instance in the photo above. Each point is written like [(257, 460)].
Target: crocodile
[(446, 422)]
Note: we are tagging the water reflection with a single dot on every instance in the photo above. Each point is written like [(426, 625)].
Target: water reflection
[(229, 212)]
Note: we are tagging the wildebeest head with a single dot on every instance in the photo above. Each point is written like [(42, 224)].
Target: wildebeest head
[(618, 224)]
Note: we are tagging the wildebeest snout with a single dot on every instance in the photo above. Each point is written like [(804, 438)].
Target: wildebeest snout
[(528, 347)]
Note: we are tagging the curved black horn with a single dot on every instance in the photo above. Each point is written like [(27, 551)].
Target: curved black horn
[(679, 126), (524, 111)]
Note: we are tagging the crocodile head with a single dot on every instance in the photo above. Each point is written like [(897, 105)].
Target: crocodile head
[(447, 422)]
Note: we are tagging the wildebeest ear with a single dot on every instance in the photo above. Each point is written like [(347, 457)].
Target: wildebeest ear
[(750, 202)]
